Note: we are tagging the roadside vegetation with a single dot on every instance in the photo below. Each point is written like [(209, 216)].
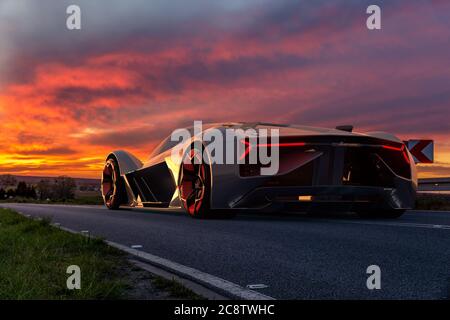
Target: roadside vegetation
[(175, 289), (79, 200), (59, 190), (34, 256)]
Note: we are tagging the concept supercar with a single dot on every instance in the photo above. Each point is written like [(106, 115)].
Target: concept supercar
[(372, 174)]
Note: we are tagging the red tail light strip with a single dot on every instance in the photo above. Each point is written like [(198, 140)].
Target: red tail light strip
[(248, 147), (402, 149), (392, 148)]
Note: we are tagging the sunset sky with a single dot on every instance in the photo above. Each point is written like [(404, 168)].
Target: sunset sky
[(140, 68)]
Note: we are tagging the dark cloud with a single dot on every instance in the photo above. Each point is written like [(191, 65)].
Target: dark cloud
[(54, 151), (79, 96), (135, 137), (26, 137)]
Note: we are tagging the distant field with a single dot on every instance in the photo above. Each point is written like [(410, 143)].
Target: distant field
[(433, 201), (425, 201), (88, 197), (82, 194), (95, 199)]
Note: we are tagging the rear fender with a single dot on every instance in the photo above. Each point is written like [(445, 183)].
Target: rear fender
[(127, 162)]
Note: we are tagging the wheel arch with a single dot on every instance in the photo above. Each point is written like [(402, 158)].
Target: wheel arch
[(126, 161)]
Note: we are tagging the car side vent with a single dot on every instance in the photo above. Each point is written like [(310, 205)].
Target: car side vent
[(347, 128)]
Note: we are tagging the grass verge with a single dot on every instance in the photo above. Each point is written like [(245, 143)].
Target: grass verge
[(175, 289), (34, 257)]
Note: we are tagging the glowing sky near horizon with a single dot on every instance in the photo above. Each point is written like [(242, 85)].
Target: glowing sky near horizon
[(139, 69)]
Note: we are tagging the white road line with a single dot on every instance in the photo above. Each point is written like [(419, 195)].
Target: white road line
[(394, 224), (256, 286), (212, 282), (193, 285)]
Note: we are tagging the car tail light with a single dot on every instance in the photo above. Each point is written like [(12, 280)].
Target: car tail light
[(399, 164), (247, 169), (249, 147), (401, 149)]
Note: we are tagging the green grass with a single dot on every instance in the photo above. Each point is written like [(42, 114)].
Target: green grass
[(34, 257), (175, 289)]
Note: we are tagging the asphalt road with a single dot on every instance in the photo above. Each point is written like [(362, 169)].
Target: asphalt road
[(297, 257)]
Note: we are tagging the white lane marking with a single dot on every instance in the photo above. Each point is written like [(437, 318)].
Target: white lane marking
[(394, 224), (194, 286), (206, 279), (136, 246), (256, 286)]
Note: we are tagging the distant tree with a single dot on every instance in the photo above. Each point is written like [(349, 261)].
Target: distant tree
[(31, 192), (22, 189), (2, 193), (7, 180), (11, 193), (44, 188), (26, 191), (64, 188)]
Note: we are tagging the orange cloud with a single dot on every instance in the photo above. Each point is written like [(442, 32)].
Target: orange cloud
[(62, 114)]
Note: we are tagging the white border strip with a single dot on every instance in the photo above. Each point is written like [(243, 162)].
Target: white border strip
[(210, 281), (228, 288)]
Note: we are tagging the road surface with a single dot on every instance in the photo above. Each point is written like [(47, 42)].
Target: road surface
[(295, 256)]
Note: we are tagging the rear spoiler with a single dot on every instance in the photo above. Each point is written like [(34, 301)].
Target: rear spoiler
[(422, 151)]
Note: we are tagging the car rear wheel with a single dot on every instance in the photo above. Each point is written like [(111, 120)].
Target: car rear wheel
[(113, 188), (194, 184)]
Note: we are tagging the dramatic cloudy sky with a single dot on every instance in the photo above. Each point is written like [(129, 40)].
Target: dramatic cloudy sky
[(140, 68)]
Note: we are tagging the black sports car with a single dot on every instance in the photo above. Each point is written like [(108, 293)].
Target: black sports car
[(372, 174)]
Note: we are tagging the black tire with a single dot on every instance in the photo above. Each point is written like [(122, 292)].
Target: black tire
[(382, 214), (113, 186), (194, 183)]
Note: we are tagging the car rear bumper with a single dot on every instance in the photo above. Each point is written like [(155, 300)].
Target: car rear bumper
[(335, 198)]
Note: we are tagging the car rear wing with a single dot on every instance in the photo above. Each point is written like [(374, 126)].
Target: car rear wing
[(422, 151)]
